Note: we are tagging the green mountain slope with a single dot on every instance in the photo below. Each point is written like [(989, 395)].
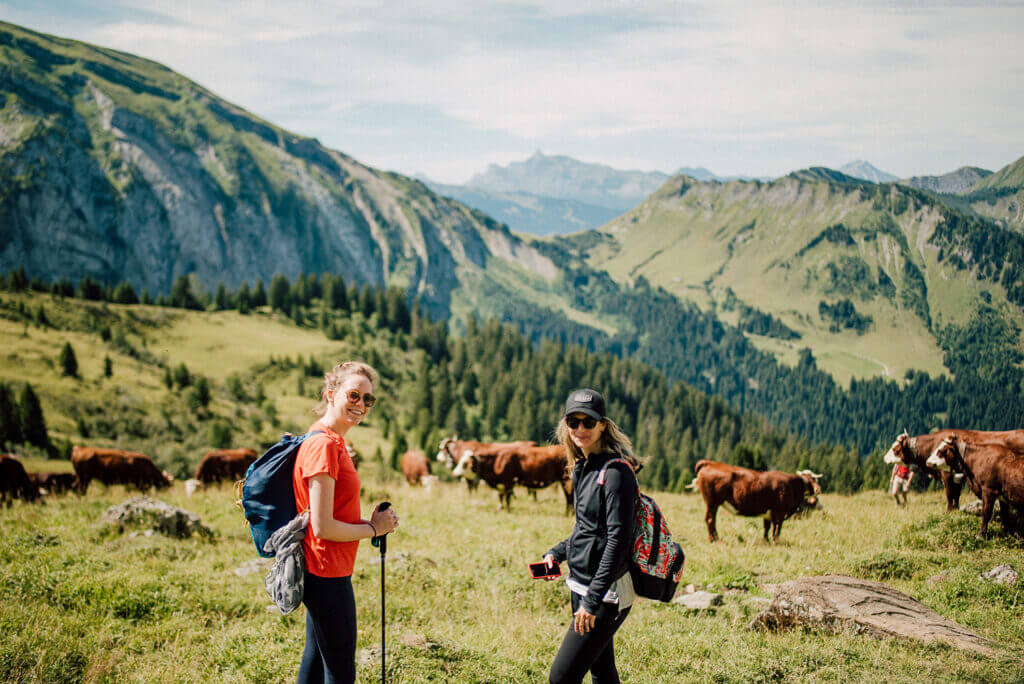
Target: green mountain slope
[(799, 247), (118, 168), (1000, 196)]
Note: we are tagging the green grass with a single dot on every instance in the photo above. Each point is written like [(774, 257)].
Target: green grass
[(78, 602)]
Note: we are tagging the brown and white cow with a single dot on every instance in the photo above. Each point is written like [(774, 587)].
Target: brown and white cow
[(113, 466), (415, 466), (994, 472), (535, 468), (916, 450), (453, 451), (15, 482), (773, 494), (224, 464)]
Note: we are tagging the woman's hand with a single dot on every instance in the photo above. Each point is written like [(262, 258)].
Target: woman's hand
[(583, 621), (384, 521)]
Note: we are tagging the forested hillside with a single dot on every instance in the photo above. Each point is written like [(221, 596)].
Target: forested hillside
[(174, 377)]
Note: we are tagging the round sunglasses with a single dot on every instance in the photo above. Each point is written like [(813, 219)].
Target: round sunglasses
[(588, 422), (368, 399)]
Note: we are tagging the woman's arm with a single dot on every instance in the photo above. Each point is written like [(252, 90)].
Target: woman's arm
[(326, 527), (620, 499)]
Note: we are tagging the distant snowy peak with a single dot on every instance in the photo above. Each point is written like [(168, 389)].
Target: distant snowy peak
[(866, 171)]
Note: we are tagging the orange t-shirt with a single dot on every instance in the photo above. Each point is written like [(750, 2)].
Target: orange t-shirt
[(326, 453)]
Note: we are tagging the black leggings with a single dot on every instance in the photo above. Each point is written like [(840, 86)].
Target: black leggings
[(593, 651), (330, 654)]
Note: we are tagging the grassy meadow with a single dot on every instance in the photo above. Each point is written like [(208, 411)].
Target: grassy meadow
[(80, 601)]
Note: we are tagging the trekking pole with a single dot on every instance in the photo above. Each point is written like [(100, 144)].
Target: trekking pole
[(382, 542)]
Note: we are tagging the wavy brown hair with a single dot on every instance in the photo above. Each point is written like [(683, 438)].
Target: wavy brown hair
[(334, 378)]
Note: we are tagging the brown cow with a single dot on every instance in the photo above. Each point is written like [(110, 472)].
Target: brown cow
[(224, 464), (452, 451), (916, 450), (773, 494), (993, 472), (53, 483), (534, 468), (415, 465), (113, 466), (14, 481)]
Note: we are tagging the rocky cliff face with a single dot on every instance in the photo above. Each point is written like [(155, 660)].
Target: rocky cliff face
[(954, 182), (116, 167)]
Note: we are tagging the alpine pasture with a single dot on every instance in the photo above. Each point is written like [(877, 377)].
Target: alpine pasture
[(82, 601)]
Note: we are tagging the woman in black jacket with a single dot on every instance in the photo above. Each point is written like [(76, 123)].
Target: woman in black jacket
[(598, 549)]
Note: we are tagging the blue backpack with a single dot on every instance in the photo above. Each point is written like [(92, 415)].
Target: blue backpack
[(268, 498)]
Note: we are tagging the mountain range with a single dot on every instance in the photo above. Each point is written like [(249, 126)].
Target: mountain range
[(116, 167)]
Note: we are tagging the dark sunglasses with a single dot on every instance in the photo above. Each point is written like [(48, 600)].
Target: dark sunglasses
[(368, 399), (573, 422)]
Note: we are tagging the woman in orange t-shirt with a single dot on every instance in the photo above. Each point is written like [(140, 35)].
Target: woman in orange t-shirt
[(325, 480)]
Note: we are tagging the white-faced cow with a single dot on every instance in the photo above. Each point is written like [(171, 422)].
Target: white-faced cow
[(914, 451), (993, 472), (773, 494), (453, 451)]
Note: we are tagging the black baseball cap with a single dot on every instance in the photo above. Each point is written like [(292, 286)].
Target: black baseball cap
[(586, 401)]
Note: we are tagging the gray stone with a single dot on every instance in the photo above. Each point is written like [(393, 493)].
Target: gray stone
[(940, 577), (158, 516), (253, 566), (835, 603), (698, 600), (1002, 574), (972, 508)]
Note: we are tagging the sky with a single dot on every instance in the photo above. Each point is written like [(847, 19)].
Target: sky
[(443, 88)]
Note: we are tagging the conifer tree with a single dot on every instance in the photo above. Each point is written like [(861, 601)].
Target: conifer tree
[(125, 293), (220, 299), (244, 302), (279, 293), (33, 425), (67, 361), (10, 417), (259, 295), (108, 367)]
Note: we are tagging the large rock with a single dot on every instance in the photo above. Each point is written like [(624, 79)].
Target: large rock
[(972, 508), (159, 516), (836, 602), (1002, 574)]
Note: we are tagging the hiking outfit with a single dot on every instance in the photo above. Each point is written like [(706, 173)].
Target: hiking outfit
[(330, 652), (900, 478), (598, 553)]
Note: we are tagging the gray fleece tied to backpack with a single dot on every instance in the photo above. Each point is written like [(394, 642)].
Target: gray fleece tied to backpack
[(284, 581)]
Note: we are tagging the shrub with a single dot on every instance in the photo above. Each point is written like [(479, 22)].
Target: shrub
[(67, 361)]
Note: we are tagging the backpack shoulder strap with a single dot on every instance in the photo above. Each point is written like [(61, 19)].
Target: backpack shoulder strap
[(604, 468)]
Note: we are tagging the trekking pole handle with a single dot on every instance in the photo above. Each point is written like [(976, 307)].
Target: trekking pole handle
[(382, 540)]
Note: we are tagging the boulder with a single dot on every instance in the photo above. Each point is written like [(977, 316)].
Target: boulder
[(1002, 574), (972, 508), (158, 516), (698, 600), (835, 603), (940, 577)]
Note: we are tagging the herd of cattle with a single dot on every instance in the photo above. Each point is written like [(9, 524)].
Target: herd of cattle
[(991, 463)]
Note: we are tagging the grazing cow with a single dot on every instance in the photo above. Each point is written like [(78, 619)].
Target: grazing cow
[(53, 483), (224, 464), (993, 472), (534, 468), (452, 451), (415, 466), (14, 481), (112, 466), (773, 494), (916, 450)]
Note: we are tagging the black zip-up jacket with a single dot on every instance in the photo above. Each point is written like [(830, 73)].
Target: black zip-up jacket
[(599, 547)]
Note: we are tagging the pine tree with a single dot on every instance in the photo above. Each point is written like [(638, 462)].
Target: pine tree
[(259, 295), (33, 425), (279, 293), (182, 377), (10, 417), (125, 293), (108, 367), (220, 300), (244, 302), (182, 296), (67, 361)]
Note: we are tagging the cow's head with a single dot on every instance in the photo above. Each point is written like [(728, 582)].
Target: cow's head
[(166, 480), (812, 490), (444, 452), (466, 468), (900, 451), (948, 456), (191, 486)]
